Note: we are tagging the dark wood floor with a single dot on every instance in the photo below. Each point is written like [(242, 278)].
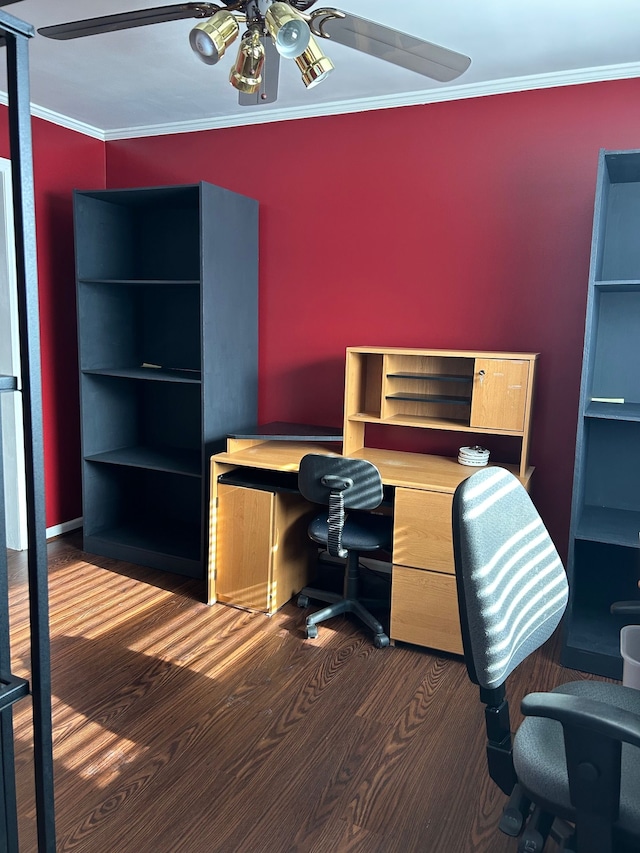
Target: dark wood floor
[(182, 728)]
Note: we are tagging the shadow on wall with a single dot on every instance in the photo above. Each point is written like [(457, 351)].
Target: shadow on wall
[(307, 394)]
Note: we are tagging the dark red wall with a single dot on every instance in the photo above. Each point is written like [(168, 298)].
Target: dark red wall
[(460, 225), (63, 160), (464, 224)]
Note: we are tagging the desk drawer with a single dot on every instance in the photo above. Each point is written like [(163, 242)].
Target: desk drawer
[(424, 609), (422, 530)]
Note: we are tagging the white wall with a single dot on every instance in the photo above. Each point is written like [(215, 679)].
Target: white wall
[(11, 403)]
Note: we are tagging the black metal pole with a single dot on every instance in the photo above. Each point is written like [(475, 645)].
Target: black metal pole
[(8, 802), (16, 35)]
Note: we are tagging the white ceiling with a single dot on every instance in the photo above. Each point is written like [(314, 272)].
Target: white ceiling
[(147, 81)]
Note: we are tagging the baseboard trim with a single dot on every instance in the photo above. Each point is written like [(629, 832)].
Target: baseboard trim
[(65, 527)]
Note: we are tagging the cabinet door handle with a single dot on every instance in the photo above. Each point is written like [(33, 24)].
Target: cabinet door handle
[(481, 374)]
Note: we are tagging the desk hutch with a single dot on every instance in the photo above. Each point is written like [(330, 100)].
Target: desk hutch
[(259, 554)]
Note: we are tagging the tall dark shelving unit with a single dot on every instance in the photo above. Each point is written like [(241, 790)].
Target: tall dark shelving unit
[(604, 547), (167, 291)]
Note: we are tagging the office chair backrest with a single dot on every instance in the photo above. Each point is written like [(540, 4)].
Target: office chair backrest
[(315, 483), (342, 483), (512, 587)]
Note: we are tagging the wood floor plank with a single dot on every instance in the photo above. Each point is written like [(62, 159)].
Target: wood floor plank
[(184, 728)]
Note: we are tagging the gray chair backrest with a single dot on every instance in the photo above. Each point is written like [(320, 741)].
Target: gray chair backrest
[(512, 587)]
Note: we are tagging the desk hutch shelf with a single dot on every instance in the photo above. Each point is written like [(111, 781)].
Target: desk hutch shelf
[(476, 392)]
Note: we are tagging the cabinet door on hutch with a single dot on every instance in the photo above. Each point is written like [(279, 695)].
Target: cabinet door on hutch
[(499, 394)]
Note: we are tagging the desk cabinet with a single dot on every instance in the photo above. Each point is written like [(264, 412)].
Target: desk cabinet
[(424, 604), (263, 550)]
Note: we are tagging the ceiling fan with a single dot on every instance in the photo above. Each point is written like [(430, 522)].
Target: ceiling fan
[(274, 29)]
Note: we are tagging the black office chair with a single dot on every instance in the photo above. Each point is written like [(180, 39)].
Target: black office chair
[(576, 756), (344, 484)]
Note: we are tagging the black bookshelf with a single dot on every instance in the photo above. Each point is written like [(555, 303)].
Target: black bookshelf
[(604, 544), (167, 295)]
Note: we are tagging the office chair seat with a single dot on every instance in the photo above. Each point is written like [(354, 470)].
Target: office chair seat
[(361, 532), (539, 759)]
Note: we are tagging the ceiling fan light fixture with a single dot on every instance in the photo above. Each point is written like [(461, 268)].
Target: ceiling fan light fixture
[(246, 74), (314, 65), (288, 29), (210, 39)]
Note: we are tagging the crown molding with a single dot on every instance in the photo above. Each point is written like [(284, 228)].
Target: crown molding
[(59, 119), (429, 96)]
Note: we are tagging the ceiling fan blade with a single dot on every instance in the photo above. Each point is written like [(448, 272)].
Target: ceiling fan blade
[(127, 20), (423, 57), (268, 91)]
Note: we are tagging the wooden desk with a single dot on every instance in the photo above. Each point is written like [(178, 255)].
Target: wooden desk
[(259, 549)]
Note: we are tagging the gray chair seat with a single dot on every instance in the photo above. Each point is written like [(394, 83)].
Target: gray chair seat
[(539, 757)]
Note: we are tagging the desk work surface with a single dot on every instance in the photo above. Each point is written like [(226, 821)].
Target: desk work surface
[(397, 467)]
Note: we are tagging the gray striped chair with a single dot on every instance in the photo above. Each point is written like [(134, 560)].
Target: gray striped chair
[(575, 759)]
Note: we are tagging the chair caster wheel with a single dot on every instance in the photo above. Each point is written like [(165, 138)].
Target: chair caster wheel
[(380, 641), (312, 632), (303, 601)]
